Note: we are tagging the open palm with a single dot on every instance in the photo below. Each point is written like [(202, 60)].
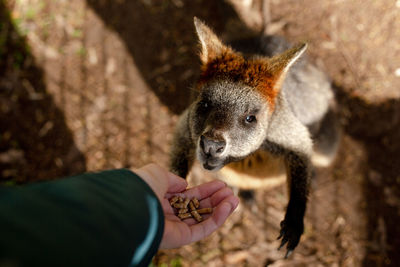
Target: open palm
[(214, 194)]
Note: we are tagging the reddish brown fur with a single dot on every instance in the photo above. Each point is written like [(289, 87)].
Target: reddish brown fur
[(254, 73)]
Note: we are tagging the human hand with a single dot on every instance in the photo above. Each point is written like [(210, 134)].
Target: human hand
[(214, 194)]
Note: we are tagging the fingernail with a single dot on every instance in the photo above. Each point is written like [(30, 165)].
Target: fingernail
[(237, 200), (176, 177), (227, 205), (173, 175), (223, 182)]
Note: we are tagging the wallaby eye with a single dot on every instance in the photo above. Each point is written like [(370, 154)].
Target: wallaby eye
[(203, 105), (250, 118)]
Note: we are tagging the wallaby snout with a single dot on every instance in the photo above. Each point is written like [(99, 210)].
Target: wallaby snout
[(212, 147)]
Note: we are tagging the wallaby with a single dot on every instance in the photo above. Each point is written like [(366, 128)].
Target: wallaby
[(257, 108)]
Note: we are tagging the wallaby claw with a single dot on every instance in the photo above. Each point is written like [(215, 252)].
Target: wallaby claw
[(288, 253), (284, 241), (290, 235), (280, 236)]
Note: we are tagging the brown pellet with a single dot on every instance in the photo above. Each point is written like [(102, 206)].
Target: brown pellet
[(196, 202), (184, 216), (184, 210), (192, 206), (183, 207), (205, 210), (173, 200), (180, 206), (196, 215), (186, 202)]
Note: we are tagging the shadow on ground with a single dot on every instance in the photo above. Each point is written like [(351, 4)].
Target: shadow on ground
[(35, 142), (161, 39), (377, 127)]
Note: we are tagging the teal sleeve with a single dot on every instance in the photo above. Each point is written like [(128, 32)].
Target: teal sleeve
[(110, 218)]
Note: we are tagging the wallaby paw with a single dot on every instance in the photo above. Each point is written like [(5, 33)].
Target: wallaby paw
[(290, 233)]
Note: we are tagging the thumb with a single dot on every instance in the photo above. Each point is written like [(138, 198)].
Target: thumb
[(160, 180)]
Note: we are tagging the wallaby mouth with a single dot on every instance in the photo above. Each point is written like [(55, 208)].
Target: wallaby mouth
[(209, 167), (209, 162)]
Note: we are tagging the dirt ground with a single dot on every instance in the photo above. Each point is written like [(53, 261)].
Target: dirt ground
[(99, 84)]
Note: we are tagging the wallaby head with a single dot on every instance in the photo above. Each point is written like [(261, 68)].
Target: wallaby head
[(229, 120)]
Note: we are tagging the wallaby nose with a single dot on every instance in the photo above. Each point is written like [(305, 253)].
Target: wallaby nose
[(212, 147)]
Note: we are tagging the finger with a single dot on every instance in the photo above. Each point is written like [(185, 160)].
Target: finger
[(154, 176), (175, 183), (217, 216), (160, 180), (204, 190), (220, 214), (216, 198)]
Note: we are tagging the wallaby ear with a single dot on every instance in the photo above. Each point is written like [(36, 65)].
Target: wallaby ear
[(280, 64), (211, 46)]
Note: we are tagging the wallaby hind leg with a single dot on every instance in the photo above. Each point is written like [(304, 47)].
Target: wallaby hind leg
[(326, 137), (247, 196)]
